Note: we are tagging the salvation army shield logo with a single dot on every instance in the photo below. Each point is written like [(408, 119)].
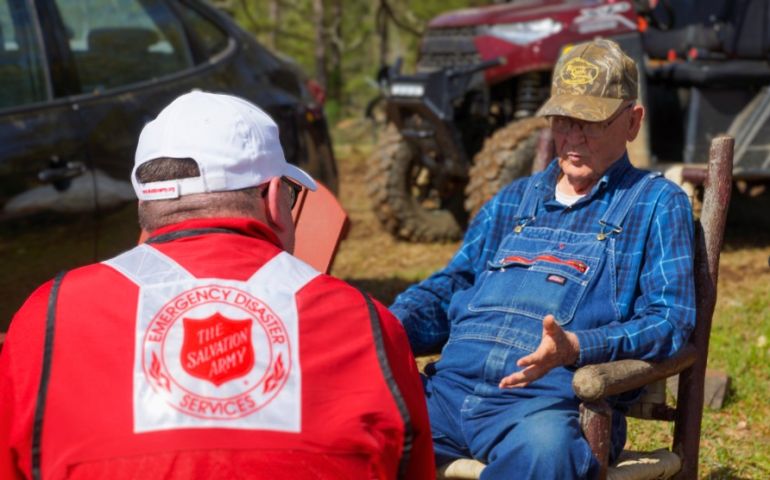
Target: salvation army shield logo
[(217, 348), (216, 352)]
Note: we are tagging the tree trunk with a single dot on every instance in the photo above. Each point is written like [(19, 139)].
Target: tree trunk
[(274, 14), (335, 48), (320, 42), (382, 31)]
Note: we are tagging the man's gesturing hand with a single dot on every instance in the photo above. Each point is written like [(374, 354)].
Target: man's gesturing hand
[(556, 348)]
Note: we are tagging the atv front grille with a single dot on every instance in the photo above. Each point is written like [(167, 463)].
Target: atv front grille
[(448, 47)]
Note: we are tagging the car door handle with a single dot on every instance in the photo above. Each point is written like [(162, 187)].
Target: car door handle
[(66, 171)]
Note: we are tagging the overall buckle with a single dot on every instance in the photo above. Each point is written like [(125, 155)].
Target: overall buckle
[(613, 229)]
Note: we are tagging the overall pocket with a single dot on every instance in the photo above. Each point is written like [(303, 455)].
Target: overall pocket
[(535, 285)]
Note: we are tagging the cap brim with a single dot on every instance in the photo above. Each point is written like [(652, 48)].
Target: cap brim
[(299, 176), (581, 107)]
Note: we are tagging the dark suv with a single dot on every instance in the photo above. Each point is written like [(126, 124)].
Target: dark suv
[(78, 80)]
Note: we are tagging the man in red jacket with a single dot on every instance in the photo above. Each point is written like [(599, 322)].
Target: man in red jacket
[(209, 351)]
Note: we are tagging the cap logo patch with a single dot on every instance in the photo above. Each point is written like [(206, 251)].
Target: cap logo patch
[(578, 71), (159, 190)]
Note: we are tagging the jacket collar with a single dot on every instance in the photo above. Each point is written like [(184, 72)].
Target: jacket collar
[(245, 226)]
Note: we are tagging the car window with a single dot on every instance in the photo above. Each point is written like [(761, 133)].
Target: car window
[(119, 42), (22, 77), (209, 39)]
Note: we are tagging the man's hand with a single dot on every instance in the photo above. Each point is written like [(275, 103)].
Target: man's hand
[(556, 348)]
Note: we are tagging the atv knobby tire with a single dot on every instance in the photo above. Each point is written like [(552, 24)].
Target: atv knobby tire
[(392, 183), (507, 155)]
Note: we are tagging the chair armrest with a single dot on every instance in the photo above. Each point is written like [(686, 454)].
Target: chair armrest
[(594, 382)]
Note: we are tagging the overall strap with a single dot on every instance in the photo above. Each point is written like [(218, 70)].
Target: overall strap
[(529, 203), (382, 358), (45, 375), (625, 197)]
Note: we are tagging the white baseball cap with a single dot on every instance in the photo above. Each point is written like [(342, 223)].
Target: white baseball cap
[(234, 143)]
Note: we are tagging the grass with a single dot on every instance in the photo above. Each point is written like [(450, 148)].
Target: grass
[(735, 440)]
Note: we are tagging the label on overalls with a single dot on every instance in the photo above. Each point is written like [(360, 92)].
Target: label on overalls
[(216, 353)]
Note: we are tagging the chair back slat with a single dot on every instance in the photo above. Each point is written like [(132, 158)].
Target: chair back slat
[(709, 236)]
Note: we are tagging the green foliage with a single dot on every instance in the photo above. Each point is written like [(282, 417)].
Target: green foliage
[(360, 41), (734, 439), (294, 29), (333, 110)]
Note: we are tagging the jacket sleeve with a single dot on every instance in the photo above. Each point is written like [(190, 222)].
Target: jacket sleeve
[(421, 462), (20, 365), (664, 310)]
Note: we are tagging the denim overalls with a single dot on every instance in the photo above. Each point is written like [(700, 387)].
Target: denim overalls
[(529, 432)]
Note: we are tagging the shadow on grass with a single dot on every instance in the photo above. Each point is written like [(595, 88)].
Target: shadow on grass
[(383, 289), (731, 395), (748, 221), (724, 473), (742, 235)]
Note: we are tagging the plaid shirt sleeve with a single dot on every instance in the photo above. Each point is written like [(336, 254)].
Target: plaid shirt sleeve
[(422, 308), (664, 308)]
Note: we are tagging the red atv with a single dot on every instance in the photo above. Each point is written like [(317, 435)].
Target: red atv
[(462, 126)]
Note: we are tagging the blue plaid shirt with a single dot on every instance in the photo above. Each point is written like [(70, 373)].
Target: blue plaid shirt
[(655, 290)]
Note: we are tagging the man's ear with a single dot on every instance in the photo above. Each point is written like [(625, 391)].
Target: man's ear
[(637, 115), (276, 208)]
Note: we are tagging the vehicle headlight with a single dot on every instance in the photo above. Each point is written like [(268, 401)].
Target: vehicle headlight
[(407, 90), (526, 32)]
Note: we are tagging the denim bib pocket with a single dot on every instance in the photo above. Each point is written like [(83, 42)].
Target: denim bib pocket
[(535, 285), (524, 337)]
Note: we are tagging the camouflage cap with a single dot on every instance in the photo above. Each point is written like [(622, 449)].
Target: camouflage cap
[(591, 81)]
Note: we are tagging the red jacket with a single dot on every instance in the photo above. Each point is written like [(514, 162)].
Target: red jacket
[(214, 355)]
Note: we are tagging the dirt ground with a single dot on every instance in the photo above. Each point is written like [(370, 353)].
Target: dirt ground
[(369, 257)]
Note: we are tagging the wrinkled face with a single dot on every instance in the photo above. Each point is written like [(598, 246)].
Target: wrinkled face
[(587, 149)]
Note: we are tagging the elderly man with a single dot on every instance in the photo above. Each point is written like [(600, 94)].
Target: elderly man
[(210, 351), (586, 262)]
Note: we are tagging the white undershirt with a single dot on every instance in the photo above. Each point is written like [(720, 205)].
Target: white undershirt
[(565, 198)]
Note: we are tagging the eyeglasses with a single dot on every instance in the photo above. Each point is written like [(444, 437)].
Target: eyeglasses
[(564, 125), (294, 190)]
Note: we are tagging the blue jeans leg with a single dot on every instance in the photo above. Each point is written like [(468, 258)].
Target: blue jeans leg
[(446, 430), (536, 438)]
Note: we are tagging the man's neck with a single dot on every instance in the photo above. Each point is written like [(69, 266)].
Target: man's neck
[(575, 186)]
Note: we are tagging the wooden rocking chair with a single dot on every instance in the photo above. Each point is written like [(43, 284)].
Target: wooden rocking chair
[(594, 383)]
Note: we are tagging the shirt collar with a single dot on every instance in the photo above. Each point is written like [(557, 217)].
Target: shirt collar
[(547, 183), (614, 174)]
